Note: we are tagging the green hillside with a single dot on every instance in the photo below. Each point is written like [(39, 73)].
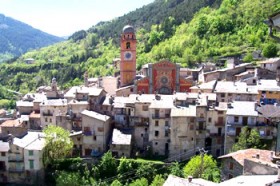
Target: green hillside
[(184, 31)]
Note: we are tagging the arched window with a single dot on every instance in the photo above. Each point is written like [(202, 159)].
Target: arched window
[(128, 45)]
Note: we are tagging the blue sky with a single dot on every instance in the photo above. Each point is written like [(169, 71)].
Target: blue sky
[(64, 17)]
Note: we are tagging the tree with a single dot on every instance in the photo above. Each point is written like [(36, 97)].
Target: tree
[(270, 50), (108, 165), (58, 144), (70, 179), (116, 183), (158, 180), (207, 170), (248, 139), (176, 170), (140, 182)]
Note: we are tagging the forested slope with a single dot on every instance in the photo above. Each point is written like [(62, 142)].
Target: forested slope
[(215, 29)]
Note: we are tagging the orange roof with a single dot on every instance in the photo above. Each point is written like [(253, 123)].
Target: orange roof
[(11, 123), (34, 115), (239, 156)]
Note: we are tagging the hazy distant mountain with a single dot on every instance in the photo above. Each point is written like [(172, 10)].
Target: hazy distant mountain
[(17, 38)]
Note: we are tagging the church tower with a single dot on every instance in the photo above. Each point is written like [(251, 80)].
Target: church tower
[(128, 56)]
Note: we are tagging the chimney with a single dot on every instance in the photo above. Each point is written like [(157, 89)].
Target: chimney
[(190, 178), (258, 155)]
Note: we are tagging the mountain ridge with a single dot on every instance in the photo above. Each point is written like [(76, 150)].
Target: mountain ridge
[(17, 38)]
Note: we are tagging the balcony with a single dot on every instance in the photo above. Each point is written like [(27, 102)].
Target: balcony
[(16, 170), (141, 123), (88, 133), (200, 128), (15, 159), (219, 123), (235, 124), (266, 137), (200, 119), (76, 128), (47, 114), (160, 116)]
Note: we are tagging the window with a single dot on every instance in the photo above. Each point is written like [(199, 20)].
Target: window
[(156, 123), (31, 164), (100, 129), (209, 120), (229, 94), (191, 127), (156, 133), (166, 123), (3, 154), (50, 120), (156, 143), (220, 112), (230, 166), (30, 152), (222, 95), (94, 138), (46, 119), (192, 120), (128, 44), (145, 108), (230, 176), (236, 119)]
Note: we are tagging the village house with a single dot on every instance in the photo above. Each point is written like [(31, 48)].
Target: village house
[(4, 161), (239, 114), (268, 91), (228, 91), (51, 108), (271, 64), (96, 132), (121, 144), (16, 156), (33, 160), (248, 161)]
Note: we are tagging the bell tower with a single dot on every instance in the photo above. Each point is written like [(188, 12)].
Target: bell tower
[(128, 56)]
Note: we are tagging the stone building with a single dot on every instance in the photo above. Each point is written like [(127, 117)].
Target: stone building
[(121, 144), (50, 109), (96, 132), (233, 163), (239, 114), (4, 161)]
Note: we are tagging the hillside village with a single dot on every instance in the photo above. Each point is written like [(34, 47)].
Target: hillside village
[(162, 110)]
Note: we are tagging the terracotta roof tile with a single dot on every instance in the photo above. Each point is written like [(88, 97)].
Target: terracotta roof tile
[(11, 123), (239, 156)]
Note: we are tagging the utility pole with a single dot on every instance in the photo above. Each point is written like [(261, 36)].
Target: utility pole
[(202, 152)]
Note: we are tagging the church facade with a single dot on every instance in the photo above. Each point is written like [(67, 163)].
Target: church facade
[(162, 77)]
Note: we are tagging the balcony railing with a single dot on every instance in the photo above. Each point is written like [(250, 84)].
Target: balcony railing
[(200, 127), (47, 114), (87, 133), (77, 128), (220, 124), (15, 159), (160, 116), (200, 119), (231, 133), (16, 170)]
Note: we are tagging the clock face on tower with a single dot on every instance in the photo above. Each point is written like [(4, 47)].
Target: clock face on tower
[(127, 55)]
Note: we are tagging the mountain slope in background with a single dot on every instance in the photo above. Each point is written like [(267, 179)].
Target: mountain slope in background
[(179, 30), (16, 38)]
